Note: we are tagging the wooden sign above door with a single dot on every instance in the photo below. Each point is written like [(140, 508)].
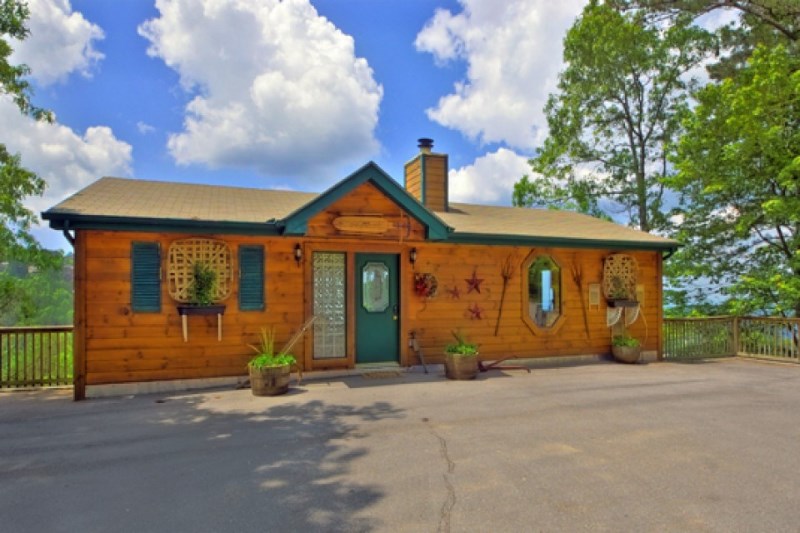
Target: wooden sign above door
[(362, 224)]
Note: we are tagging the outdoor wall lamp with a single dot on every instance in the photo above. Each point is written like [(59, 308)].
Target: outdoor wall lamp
[(412, 256), (298, 253)]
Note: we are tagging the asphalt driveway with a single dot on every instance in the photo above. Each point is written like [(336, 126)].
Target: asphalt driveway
[(604, 447)]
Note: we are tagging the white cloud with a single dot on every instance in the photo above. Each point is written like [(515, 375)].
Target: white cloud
[(67, 161), (490, 179), (279, 87), (144, 128), (60, 42), (513, 50)]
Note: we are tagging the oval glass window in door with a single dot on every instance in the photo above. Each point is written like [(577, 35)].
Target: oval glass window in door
[(375, 287)]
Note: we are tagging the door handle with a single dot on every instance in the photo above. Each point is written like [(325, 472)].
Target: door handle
[(395, 309)]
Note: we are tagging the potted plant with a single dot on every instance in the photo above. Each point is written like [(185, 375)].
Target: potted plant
[(461, 358), (269, 371), (619, 295), (626, 349), (202, 292)]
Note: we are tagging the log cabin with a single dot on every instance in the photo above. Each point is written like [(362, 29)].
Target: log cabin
[(378, 264)]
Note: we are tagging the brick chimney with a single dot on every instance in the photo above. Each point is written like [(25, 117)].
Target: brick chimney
[(426, 177)]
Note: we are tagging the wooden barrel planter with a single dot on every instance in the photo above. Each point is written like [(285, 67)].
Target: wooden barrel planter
[(270, 380), (460, 366)]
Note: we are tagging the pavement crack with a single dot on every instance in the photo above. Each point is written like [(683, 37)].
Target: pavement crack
[(450, 498)]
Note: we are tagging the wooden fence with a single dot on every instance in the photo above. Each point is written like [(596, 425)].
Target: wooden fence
[(35, 356), (726, 336)]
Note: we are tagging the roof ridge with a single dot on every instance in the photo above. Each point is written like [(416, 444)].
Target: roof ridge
[(204, 185)]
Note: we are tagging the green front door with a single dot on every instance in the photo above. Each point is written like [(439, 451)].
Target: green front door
[(377, 308)]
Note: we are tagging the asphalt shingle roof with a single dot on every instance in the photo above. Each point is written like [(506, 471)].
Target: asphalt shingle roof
[(542, 223), (134, 199)]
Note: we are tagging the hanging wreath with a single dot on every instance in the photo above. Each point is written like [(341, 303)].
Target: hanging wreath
[(425, 285)]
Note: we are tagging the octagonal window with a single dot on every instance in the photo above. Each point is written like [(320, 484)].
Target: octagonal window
[(544, 291)]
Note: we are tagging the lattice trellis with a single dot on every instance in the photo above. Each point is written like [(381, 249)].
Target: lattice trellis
[(619, 277), (185, 253)]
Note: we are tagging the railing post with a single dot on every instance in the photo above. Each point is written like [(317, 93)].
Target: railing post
[(735, 336)]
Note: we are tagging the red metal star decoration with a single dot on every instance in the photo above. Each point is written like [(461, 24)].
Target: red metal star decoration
[(474, 283), (455, 294), (475, 312)]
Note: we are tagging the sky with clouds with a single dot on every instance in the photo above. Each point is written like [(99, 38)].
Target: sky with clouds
[(292, 94)]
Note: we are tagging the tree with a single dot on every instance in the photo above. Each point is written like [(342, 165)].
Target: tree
[(739, 174), (44, 297), (766, 22), (620, 104), (16, 182)]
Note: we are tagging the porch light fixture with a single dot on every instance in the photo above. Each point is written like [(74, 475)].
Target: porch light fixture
[(298, 253), (412, 256)]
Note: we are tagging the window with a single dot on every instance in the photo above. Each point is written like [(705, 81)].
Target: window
[(146, 277), (330, 331), (251, 278), (544, 291), (375, 287)]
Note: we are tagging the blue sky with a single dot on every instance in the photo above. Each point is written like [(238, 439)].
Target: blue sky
[(294, 94)]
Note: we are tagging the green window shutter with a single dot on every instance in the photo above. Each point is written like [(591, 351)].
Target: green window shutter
[(146, 277), (251, 278)]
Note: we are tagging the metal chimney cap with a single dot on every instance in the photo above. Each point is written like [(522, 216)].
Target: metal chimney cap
[(425, 143)]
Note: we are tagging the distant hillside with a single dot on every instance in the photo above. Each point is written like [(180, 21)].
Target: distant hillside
[(36, 298)]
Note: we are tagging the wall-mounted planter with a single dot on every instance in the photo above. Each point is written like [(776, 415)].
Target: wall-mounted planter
[(622, 303), (185, 310)]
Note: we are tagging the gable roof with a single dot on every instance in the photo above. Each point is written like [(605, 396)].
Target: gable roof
[(297, 222), (130, 204)]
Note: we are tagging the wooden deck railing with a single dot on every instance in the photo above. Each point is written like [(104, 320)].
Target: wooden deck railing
[(694, 338), (35, 356), (769, 337)]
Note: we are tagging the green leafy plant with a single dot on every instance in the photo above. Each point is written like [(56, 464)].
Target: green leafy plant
[(624, 340), (266, 352), (461, 346), (204, 285), (618, 290)]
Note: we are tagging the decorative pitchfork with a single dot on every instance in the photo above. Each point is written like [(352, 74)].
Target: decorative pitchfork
[(507, 272)]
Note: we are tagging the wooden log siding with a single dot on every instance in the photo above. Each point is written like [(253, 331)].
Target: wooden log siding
[(366, 199), (35, 356), (436, 182), (123, 346), (413, 173), (435, 319)]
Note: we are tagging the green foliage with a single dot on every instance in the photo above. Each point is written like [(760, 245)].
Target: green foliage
[(204, 284), (624, 340), (264, 361), (16, 182), (461, 346), (13, 14), (30, 296), (620, 103), (266, 352), (739, 176), (765, 22)]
